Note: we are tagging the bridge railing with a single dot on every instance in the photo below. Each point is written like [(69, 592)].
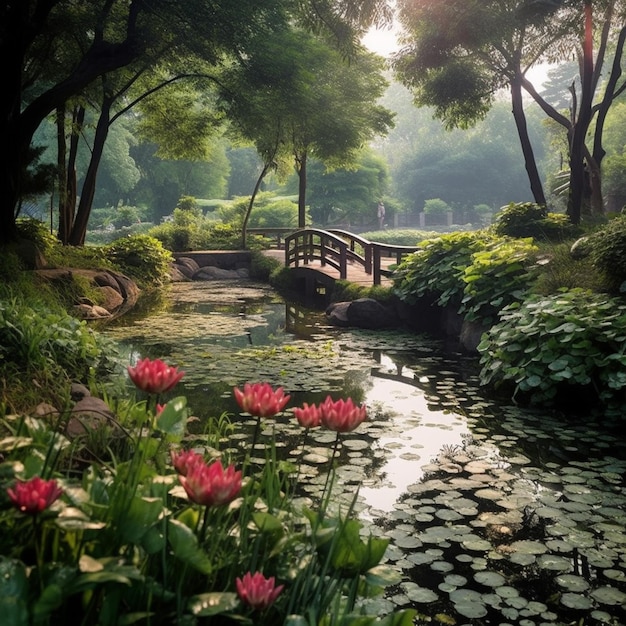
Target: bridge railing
[(314, 244), (337, 247)]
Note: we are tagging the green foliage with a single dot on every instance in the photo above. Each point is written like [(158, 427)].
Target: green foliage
[(475, 272), (277, 214), (344, 290), (562, 269), (435, 271), (142, 258), (262, 266), (608, 252), (527, 219), (46, 349), (436, 206), (549, 348), (37, 232), (399, 237), (497, 276)]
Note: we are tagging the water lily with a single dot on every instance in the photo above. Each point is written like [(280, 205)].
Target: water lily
[(211, 485), (308, 416), (260, 399), (185, 459), (154, 376), (342, 416), (257, 591), (35, 495)]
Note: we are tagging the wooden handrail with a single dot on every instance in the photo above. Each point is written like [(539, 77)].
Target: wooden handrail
[(336, 247)]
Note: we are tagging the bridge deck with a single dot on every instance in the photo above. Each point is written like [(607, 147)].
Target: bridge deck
[(355, 274)]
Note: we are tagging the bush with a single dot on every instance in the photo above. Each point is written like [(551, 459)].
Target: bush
[(527, 219), (142, 258), (399, 237), (497, 276), (548, 348), (43, 350), (607, 248), (435, 271), (561, 269)]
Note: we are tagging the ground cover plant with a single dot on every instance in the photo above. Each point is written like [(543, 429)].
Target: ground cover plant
[(165, 527)]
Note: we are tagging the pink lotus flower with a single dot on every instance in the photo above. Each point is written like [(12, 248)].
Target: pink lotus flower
[(257, 591), (341, 416), (184, 460), (211, 485), (35, 495), (308, 416), (154, 376), (260, 399)]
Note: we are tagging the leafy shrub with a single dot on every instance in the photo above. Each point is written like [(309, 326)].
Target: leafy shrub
[(36, 231), (45, 348), (436, 206), (607, 248), (549, 347), (528, 219), (497, 276), (399, 237), (142, 258), (435, 271), (561, 269), (262, 266)]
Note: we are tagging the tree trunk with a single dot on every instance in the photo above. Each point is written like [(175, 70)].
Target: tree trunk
[(246, 218), (79, 228), (301, 169), (529, 157), (581, 125)]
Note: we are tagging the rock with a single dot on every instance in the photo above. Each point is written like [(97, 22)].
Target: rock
[(471, 334), (176, 274), (337, 314), (370, 313), (90, 414), (187, 266), (211, 272), (43, 409), (78, 391), (362, 313), (113, 299)]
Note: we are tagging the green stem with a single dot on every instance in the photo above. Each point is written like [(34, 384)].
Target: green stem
[(331, 469)]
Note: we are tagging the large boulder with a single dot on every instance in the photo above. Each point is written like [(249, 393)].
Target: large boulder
[(362, 313)]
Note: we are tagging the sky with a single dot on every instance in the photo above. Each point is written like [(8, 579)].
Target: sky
[(382, 41)]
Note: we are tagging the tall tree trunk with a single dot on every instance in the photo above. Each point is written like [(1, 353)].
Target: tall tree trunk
[(529, 156), (581, 124), (610, 93), (246, 218), (67, 170), (301, 169), (79, 228)]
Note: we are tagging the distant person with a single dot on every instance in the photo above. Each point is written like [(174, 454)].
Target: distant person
[(381, 215)]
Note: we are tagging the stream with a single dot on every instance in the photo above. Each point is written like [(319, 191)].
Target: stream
[(495, 514)]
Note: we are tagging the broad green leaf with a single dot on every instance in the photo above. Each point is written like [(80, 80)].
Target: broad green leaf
[(185, 547)]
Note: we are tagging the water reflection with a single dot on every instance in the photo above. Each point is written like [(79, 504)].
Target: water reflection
[(415, 436)]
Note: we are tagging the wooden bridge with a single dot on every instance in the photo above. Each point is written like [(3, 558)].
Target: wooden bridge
[(321, 257)]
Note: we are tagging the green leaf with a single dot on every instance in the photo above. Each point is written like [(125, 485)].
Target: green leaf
[(213, 603), (173, 418), (185, 547), (13, 592), (139, 517)]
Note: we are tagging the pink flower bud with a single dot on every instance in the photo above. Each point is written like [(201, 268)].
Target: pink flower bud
[(35, 495), (154, 376), (260, 399), (257, 591), (341, 416)]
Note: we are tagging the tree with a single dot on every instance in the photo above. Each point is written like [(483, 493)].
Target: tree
[(53, 49), (459, 53), (497, 46), (296, 97), (347, 194)]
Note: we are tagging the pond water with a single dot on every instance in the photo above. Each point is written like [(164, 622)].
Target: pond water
[(496, 515)]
